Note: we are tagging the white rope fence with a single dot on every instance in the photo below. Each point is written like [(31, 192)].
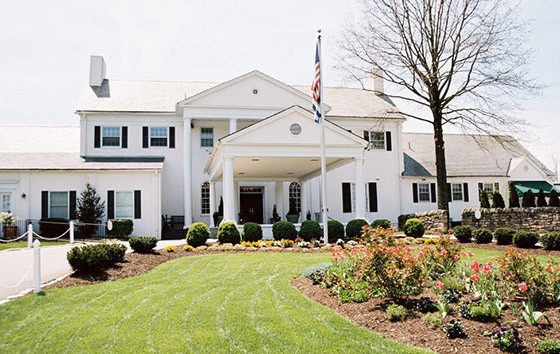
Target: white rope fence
[(15, 239)]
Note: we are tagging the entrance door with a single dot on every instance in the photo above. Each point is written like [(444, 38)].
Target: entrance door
[(251, 205)]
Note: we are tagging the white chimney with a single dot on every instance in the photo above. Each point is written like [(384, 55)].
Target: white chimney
[(96, 70), (374, 82)]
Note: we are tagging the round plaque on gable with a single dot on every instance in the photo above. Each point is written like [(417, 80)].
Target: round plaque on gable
[(295, 129)]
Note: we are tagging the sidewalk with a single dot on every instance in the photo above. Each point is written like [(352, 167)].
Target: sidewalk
[(16, 267)]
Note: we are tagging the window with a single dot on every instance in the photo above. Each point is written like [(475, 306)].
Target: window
[(489, 187), (206, 137), (371, 197), (111, 136), (205, 198), (295, 196), (457, 191), (5, 202), (124, 205), (58, 207), (158, 136), (423, 192), (377, 140)]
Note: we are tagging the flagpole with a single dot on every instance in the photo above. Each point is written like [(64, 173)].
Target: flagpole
[(323, 152)]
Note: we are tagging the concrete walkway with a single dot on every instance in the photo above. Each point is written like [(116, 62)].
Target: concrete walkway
[(16, 267)]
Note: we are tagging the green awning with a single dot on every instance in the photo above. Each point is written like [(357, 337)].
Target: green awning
[(534, 186)]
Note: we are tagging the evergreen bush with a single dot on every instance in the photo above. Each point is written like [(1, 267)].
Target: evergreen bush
[(498, 200), (504, 235), (483, 197), (541, 199), (121, 228), (336, 231), (252, 232), (309, 230), (525, 239), (142, 244), (513, 197), (89, 210), (284, 229), (198, 234), (95, 258), (528, 200), (463, 233), (355, 227), (383, 223), (482, 236), (414, 227), (553, 200), (228, 233), (551, 241)]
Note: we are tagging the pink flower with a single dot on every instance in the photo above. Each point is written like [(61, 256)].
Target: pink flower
[(548, 269), (475, 277), (470, 254), (420, 254), (439, 285), (464, 254), (490, 263), (443, 252), (456, 257), (523, 287)]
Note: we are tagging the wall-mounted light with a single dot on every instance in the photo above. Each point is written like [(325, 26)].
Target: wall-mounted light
[(23, 196)]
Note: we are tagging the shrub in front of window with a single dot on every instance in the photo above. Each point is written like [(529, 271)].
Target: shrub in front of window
[(142, 244), (414, 228), (228, 233), (95, 258), (551, 241), (336, 230), (121, 228), (504, 235), (528, 200), (53, 227), (482, 236), (382, 223), (284, 229), (525, 239), (198, 234), (553, 200), (463, 233), (483, 196), (89, 210), (355, 227), (252, 232), (310, 229), (498, 200)]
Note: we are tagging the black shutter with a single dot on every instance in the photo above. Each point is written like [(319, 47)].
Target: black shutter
[(415, 192), (433, 192), (372, 189), (72, 204), (449, 193), (97, 137), (366, 135), (346, 198), (172, 137), (44, 204), (137, 205), (388, 143), (145, 138), (466, 192), (110, 204), (124, 138), (480, 186)]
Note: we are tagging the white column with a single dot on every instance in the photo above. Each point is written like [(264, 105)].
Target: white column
[(229, 195), (212, 201), (360, 189), (232, 125), (187, 170), (304, 200), (280, 200)]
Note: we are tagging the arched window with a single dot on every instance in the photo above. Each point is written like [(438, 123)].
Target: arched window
[(295, 195), (205, 198)]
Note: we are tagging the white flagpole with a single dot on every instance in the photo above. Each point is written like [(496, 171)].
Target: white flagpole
[(323, 153)]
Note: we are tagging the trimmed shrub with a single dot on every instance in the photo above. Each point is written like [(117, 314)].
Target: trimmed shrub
[(504, 235), (53, 227), (528, 200), (383, 223), (310, 229), (95, 258), (498, 200), (414, 227), (354, 228), (402, 219), (482, 236), (228, 233), (336, 230), (121, 228), (463, 233), (284, 229), (198, 234), (551, 241), (524, 239), (252, 232), (541, 199), (142, 244), (513, 197), (483, 197), (553, 200)]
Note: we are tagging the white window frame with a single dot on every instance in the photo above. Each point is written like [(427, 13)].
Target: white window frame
[(488, 187), (104, 134), (377, 139), (424, 196), (457, 188), (294, 192), (119, 205), (67, 205), (205, 198), (206, 137), (153, 135), (5, 202)]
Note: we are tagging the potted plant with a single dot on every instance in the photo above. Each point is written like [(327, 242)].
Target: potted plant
[(218, 216), (7, 219), (293, 214), (275, 216)]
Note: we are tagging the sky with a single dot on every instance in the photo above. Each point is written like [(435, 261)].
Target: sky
[(45, 48)]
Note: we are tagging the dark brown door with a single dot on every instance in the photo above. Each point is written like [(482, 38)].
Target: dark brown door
[(251, 207)]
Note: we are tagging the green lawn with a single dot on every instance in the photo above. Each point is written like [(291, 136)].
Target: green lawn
[(483, 255), (23, 244), (227, 303)]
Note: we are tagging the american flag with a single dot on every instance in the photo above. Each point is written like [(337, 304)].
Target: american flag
[(316, 86)]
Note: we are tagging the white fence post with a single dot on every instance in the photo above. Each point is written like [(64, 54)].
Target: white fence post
[(30, 235), (71, 231), (37, 266)]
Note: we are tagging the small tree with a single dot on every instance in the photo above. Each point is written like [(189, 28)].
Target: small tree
[(553, 200), (513, 197), (528, 200), (483, 196), (498, 200), (541, 200), (90, 209)]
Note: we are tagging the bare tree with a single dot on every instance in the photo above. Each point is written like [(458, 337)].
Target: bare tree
[(555, 160), (461, 59)]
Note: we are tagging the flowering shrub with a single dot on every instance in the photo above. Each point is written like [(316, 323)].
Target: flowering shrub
[(441, 258), (170, 248), (7, 218), (508, 340)]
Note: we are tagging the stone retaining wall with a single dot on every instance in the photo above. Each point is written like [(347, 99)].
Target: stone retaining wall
[(523, 219), (434, 221)]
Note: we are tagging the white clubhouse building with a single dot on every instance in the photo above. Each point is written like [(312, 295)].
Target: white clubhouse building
[(156, 149)]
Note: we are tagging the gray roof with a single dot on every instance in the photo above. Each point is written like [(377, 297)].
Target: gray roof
[(465, 155), (162, 97)]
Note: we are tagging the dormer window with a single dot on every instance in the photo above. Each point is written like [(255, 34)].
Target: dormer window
[(111, 136)]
